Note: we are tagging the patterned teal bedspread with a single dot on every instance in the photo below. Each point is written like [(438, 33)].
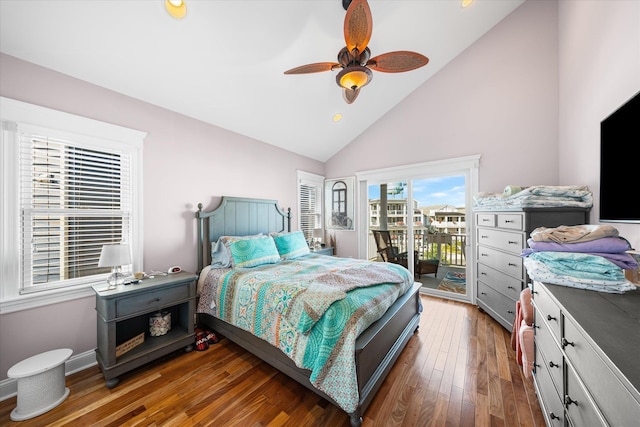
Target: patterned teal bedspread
[(312, 308)]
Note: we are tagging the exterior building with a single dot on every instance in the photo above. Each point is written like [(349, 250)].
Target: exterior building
[(447, 219), (439, 231)]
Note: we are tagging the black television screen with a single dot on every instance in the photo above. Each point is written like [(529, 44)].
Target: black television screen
[(619, 164)]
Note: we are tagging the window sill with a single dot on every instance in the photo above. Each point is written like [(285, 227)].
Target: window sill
[(40, 299)]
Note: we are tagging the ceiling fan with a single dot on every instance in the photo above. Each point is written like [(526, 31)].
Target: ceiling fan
[(355, 58)]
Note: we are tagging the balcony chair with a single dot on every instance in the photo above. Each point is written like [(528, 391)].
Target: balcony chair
[(389, 253), (386, 250)]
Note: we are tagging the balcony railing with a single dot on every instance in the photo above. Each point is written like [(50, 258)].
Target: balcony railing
[(450, 249)]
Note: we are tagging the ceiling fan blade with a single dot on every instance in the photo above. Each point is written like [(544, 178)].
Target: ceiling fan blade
[(358, 25), (314, 68), (397, 62), (350, 95)]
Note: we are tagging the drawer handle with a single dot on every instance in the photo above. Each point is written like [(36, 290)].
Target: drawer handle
[(483, 293), (568, 400), (483, 254), (157, 300), (510, 287), (484, 237), (483, 273), (512, 264), (510, 311), (553, 365), (553, 416), (485, 220), (508, 221), (513, 243), (566, 343), (550, 317)]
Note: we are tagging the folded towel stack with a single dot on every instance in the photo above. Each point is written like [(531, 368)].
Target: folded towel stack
[(582, 256)]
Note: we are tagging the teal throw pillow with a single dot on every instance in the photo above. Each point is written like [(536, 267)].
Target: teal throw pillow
[(253, 252), (291, 245)]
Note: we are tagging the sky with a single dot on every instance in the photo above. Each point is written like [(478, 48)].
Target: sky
[(443, 190)]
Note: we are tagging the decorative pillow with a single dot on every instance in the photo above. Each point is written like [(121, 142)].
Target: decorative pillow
[(220, 252), (291, 245), (253, 252)]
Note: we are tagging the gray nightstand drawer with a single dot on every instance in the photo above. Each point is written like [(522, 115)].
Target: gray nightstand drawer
[(151, 300)]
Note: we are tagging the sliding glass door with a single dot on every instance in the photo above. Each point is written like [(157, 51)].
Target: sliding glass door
[(424, 212)]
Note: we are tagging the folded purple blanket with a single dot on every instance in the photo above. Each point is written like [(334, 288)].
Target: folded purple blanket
[(611, 248), (611, 245)]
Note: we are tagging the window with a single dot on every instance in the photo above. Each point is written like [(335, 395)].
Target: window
[(68, 192), (410, 184), (310, 187)]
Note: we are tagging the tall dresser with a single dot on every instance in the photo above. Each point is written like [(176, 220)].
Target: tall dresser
[(500, 238), (586, 370)]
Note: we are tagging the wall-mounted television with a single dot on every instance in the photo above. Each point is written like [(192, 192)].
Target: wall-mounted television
[(620, 165)]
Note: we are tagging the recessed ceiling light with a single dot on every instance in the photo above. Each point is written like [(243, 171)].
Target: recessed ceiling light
[(176, 8), (337, 117)]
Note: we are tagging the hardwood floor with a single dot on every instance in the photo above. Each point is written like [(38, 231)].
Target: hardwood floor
[(458, 370)]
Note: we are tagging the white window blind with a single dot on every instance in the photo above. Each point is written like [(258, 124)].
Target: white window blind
[(73, 200), (310, 189)]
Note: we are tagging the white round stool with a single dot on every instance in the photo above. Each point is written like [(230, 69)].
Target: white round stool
[(41, 385)]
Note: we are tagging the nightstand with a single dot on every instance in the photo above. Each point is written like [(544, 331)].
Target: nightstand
[(124, 341), (323, 251)]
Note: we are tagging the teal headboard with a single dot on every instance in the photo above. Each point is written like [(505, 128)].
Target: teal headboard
[(238, 216)]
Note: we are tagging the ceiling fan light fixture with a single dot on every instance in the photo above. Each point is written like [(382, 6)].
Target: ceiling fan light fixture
[(354, 77), (176, 8)]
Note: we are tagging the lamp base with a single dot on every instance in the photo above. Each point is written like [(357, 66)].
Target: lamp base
[(115, 279)]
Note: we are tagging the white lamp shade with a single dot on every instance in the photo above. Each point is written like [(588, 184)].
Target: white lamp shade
[(115, 255), (317, 233)]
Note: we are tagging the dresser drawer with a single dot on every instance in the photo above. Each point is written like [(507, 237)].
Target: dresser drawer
[(151, 300), (507, 263), (511, 221), (547, 309), (552, 405), (506, 240), (607, 391), (503, 306), (580, 410), (549, 349), (486, 219), (501, 282)]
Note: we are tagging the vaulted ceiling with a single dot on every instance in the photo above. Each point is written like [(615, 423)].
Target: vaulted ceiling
[(224, 62)]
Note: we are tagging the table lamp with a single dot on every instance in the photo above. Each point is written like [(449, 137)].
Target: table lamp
[(317, 237), (115, 256)]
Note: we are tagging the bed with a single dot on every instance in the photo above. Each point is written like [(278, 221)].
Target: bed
[(371, 347)]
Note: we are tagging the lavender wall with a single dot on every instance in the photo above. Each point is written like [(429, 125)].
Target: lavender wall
[(185, 162), (599, 70)]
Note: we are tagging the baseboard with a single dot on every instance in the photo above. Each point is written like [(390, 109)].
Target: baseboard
[(79, 362)]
